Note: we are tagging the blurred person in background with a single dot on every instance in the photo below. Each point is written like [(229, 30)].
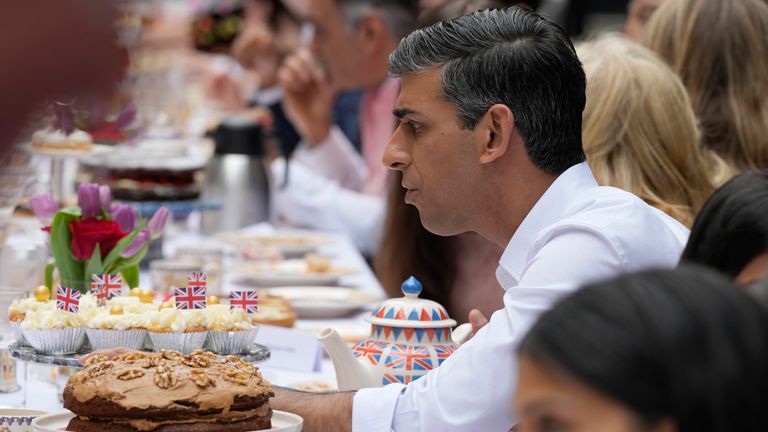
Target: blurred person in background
[(271, 33), (730, 233), (447, 9), (332, 186), (640, 133), (638, 14), (70, 51), (661, 351), (719, 49)]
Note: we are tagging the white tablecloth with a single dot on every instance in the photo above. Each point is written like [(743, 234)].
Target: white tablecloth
[(43, 384)]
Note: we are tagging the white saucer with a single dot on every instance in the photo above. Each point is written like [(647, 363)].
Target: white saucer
[(320, 302), (281, 421)]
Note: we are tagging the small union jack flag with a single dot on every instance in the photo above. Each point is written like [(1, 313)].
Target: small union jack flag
[(248, 300), (191, 297), (67, 299), (113, 284), (197, 279), (100, 292)]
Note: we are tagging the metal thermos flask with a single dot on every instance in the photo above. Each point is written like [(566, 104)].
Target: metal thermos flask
[(237, 177)]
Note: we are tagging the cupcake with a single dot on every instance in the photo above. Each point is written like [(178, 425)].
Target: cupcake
[(178, 330), (54, 331), (230, 331), (18, 311), (114, 327), (80, 141)]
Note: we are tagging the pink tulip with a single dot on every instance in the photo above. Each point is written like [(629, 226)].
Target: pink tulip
[(137, 244), (125, 216), (105, 198), (44, 208), (157, 223), (88, 200)]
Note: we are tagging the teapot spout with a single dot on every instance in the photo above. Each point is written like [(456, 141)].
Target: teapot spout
[(351, 374)]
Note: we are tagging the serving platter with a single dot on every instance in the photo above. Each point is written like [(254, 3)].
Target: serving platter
[(256, 353), (281, 422)]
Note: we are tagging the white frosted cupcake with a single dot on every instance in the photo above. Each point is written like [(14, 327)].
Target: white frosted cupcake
[(230, 331), (178, 330), (18, 310), (132, 305), (113, 327), (80, 140), (54, 331)]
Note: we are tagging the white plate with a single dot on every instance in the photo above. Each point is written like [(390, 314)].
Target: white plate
[(290, 245), (319, 302), (281, 421), (288, 273), (96, 149)]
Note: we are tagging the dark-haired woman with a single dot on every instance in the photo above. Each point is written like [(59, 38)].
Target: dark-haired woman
[(730, 233), (664, 351)]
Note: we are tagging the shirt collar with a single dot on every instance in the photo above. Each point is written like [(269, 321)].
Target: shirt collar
[(550, 208)]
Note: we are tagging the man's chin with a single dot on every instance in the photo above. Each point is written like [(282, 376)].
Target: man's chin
[(439, 226)]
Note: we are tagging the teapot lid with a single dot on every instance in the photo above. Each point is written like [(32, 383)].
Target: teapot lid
[(411, 311)]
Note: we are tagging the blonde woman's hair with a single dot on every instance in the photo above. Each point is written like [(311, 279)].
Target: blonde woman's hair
[(640, 133), (719, 48)]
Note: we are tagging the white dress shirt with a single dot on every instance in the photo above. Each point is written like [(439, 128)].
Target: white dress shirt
[(578, 232)]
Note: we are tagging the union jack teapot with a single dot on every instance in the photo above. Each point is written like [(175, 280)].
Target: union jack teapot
[(409, 337)]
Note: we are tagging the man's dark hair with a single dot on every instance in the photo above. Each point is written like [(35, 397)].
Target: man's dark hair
[(684, 345), (512, 57), (731, 228)]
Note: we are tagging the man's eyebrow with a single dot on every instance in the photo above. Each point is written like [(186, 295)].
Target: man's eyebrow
[(402, 112)]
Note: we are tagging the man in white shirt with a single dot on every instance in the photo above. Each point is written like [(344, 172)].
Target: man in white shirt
[(489, 141)]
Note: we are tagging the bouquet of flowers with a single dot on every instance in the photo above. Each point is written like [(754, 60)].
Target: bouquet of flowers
[(95, 237)]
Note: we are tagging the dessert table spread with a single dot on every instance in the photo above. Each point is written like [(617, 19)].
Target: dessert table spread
[(42, 384)]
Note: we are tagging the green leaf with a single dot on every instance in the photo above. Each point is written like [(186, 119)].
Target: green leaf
[(93, 265), (130, 262), (126, 241), (131, 276), (70, 269), (75, 211), (48, 275)]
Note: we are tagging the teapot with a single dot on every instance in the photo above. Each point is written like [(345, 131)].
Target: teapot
[(409, 337)]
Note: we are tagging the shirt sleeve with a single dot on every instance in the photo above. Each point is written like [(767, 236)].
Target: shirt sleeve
[(312, 201), (474, 387), (335, 158)]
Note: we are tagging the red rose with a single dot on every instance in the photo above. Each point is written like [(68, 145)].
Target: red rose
[(87, 234)]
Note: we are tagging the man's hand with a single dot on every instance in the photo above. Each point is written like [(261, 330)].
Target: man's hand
[(307, 96), (112, 352), (252, 43), (477, 320)]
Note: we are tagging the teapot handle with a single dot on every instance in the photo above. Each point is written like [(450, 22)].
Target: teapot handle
[(462, 333)]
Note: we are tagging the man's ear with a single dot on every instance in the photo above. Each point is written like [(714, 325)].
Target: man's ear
[(498, 129)]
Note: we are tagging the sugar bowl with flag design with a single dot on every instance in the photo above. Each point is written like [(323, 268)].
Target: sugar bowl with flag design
[(409, 337)]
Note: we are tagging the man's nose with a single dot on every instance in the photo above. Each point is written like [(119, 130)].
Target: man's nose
[(396, 156)]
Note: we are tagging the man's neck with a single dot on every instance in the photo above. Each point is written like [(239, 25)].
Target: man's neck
[(512, 205)]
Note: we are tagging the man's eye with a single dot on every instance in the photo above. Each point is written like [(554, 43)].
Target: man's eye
[(415, 127), (549, 424)]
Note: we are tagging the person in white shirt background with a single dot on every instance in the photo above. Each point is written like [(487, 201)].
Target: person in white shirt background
[(489, 141), (332, 186)]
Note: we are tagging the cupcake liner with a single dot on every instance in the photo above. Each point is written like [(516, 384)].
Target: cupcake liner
[(102, 339), (18, 333), (185, 343), (56, 341), (230, 342)]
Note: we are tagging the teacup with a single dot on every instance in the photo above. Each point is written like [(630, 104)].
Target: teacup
[(17, 420)]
